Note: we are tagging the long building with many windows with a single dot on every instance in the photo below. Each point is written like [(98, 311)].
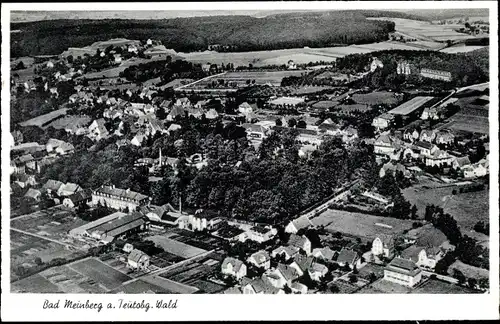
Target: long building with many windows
[(119, 198)]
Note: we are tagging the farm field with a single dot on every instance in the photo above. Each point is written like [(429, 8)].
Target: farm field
[(175, 247), (24, 74), (100, 272), (44, 119), (140, 287), (59, 279), (461, 49), (360, 225), (25, 249), (468, 270), (168, 285), (65, 121), (434, 286), (53, 223), (467, 208), (424, 30)]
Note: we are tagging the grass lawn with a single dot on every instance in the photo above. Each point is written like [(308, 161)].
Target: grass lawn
[(100, 272), (384, 287), (434, 286), (360, 225), (467, 208), (34, 284)]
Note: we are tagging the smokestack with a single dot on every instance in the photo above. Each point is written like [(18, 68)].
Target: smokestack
[(180, 205)]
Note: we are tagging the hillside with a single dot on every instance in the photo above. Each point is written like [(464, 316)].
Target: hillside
[(244, 33)]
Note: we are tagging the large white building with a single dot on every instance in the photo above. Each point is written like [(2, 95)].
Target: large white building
[(403, 272), (119, 198)]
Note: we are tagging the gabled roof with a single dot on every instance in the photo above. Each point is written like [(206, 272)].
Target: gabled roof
[(325, 252), (297, 241), (237, 264), (53, 185), (81, 196), (290, 250), (71, 187), (304, 262), (33, 193), (318, 267), (261, 256), (288, 272), (463, 161), (403, 266), (122, 193), (387, 240), (301, 222), (135, 255), (263, 285), (347, 256), (422, 144)]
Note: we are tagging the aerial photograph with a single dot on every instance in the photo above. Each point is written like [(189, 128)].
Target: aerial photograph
[(250, 152)]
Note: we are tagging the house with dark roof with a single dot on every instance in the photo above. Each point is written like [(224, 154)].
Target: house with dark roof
[(79, 198), (233, 267), (348, 257), (325, 253), (286, 252), (138, 260), (53, 186), (33, 194), (317, 271), (403, 272), (460, 162), (282, 275), (260, 259), (68, 189), (300, 242), (302, 263), (260, 285)]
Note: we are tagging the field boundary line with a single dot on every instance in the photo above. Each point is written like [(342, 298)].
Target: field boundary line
[(200, 80)]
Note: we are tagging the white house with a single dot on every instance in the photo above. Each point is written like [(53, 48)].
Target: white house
[(438, 158), (261, 234), (282, 275), (383, 245), (427, 135), (403, 272), (475, 171), (260, 259), (287, 252), (297, 224), (260, 286), (324, 253), (138, 260), (375, 64), (426, 257), (317, 271), (234, 267)]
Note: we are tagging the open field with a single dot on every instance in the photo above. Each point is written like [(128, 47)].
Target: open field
[(424, 30), (467, 208), (171, 286), (382, 286), (360, 225), (473, 124), (461, 49), (24, 74), (59, 279), (53, 223), (369, 268), (468, 270), (175, 247), (347, 109), (25, 249), (44, 119), (114, 72), (62, 123), (434, 286), (375, 98), (140, 287), (100, 272)]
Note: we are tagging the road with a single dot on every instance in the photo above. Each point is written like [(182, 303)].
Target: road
[(479, 86)]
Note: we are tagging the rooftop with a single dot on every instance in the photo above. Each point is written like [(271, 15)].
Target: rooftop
[(410, 106)]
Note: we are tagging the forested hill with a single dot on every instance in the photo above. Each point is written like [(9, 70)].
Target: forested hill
[(244, 33)]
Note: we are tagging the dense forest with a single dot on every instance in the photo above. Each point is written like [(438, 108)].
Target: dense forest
[(243, 33)]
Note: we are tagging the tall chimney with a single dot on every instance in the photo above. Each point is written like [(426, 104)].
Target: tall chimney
[(180, 205)]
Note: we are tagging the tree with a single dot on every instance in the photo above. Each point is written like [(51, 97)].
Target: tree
[(19, 66), (472, 282), (279, 123), (372, 277), (457, 274), (334, 289), (292, 122), (414, 212), (38, 261), (353, 278), (301, 124)]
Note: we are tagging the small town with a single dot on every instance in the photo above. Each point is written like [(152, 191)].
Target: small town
[(354, 166)]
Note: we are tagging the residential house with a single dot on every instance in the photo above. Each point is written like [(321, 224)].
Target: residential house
[(308, 136), (177, 111), (78, 199), (430, 113), (260, 259), (438, 158), (460, 162), (300, 242), (411, 135), (384, 145), (234, 267), (127, 248), (427, 135), (383, 121), (330, 129), (138, 139), (375, 64), (97, 130), (256, 132), (383, 245), (285, 252), (259, 286), (306, 150), (298, 288), (426, 148), (348, 257), (33, 194), (302, 263), (212, 114), (52, 187), (403, 272), (298, 224), (261, 234), (317, 271), (199, 221), (68, 189), (138, 260), (282, 275), (425, 257), (325, 253), (398, 167), (376, 197), (476, 170), (444, 138)]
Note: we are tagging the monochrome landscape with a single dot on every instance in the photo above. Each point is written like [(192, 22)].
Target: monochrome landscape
[(258, 152)]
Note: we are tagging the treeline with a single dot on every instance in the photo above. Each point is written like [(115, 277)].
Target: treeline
[(167, 70), (243, 33)]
